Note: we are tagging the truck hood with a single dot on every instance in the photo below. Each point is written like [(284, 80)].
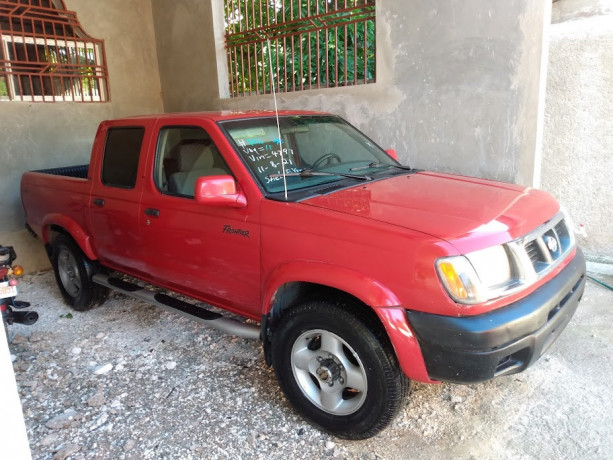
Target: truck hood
[(457, 209)]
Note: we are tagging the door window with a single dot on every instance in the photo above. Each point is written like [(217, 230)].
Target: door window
[(121, 155), (183, 155)]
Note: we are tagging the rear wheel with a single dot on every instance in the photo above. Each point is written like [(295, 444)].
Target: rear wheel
[(73, 273), (338, 369)]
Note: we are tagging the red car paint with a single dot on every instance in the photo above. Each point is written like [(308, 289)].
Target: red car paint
[(377, 241)]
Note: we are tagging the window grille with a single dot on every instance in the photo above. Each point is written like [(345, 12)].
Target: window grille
[(46, 56), (313, 44)]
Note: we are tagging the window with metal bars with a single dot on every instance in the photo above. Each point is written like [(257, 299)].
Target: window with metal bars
[(46, 56), (299, 44)]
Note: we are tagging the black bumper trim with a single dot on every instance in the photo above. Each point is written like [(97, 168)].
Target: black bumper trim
[(505, 341)]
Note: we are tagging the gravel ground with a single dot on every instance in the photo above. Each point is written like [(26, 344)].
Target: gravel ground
[(128, 380)]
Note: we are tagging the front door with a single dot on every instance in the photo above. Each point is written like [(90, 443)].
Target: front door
[(211, 253)]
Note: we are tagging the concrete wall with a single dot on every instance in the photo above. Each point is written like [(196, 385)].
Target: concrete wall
[(565, 10), (188, 60), (578, 140), (457, 81), (40, 135)]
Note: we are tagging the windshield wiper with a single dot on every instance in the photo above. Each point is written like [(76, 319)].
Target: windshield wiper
[(310, 173), (377, 165)]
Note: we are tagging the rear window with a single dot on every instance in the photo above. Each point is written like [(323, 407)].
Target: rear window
[(121, 155)]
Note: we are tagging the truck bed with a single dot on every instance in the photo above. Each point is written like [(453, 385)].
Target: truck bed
[(57, 191), (78, 171)]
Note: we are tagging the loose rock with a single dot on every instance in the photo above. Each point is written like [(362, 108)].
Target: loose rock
[(103, 369), (66, 451), (19, 339), (96, 400), (129, 445), (36, 336), (51, 439), (61, 421)]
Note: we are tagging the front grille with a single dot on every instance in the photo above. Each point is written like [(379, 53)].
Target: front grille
[(548, 244), (533, 251)]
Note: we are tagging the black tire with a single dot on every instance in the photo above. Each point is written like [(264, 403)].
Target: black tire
[(73, 274), (337, 368)]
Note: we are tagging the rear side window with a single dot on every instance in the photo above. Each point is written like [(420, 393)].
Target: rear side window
[(121, 154)]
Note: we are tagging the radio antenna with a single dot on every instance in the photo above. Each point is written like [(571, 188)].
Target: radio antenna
[(274, 96)]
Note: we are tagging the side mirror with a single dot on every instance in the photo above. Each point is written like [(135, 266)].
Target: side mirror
[(219, 191), (392, 153)]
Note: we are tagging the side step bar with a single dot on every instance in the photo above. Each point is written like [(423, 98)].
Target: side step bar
[(200, 314)]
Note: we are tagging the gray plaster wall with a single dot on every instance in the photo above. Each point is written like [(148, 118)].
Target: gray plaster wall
[(42, 135), (457, 81), (578, 136), (187, 56), (564, 10)]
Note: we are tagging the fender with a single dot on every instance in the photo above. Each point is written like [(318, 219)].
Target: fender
[(372, 293), (405, 343), (355, 283), (74, 230)]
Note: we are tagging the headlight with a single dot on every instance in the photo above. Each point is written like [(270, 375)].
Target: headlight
[(478, 276), (484, 275)]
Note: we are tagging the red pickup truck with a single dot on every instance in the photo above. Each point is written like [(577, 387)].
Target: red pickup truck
[(357, 274)]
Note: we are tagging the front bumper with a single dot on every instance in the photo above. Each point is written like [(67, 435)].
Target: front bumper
[(502, 342)]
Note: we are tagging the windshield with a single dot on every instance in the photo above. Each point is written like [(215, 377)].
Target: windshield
[(321, 143)]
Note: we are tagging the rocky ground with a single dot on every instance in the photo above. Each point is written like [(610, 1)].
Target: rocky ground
[(128, 380)]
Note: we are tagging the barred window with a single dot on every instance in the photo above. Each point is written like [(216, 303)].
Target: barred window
[(46, 56), (313, 44)]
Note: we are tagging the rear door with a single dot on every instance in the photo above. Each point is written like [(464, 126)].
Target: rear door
[(116, 192), (211, 253)]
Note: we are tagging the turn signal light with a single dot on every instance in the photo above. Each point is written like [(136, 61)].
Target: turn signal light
[(453, 280), (17, 270)]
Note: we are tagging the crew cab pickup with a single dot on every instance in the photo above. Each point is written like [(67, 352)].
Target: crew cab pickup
[(358, 274)]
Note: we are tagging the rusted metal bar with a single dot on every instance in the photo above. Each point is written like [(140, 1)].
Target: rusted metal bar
[(365, 52), (355, 53), (320, 21), (49, 48), (301, 57)]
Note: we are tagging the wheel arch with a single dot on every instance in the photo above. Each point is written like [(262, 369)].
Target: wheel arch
[(317, 274), (56, 224), (297, 282)]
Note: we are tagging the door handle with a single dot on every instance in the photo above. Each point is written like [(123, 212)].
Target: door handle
[(152, 212), (98, 202)]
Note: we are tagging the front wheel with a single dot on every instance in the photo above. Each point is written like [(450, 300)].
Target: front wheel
[(336, 367), (73, 273)]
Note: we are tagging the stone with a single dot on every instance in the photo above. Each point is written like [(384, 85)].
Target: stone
[(19, 339), (99, 422), (50, 439), (61, 421), (129, 445), (103, 369), (96, 400), (66, 451), (36, 336)]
